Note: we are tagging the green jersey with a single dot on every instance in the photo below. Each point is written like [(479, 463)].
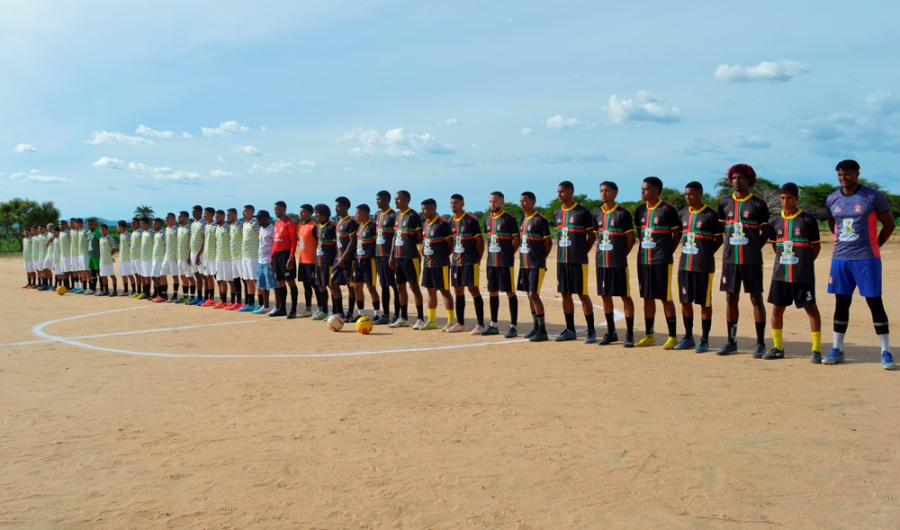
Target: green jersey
[(209, 247), (93, 246), (172, 242), (125, 251), (223, 242), (107, 245), (250, 239), (147, 244), (159, 246), (237, 239), (65, 244), (197, 233), (184, 242)]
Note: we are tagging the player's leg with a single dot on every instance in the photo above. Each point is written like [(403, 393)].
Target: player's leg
[(432, 302), (337, 297), (400, 278), (645, 279), (777, 351), (537, 305), (868, 276), (731, 285), (566, 287), (416, 291), (587, 305)]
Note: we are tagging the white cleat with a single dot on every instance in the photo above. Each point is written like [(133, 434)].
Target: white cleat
[(479, 329), (456, 328), (399, 323), (418, 325)]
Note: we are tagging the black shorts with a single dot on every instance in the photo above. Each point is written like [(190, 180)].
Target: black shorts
[(323, 275), (786, 293), (306, 273), (465, 275), (406, 270), (613, 281), (531, 280), (385, 272), (342, 275), (733, 275), (655, 281), (500, 279), (436, 278), (280, 260), (695, 287), (364, 271), (571, 278)]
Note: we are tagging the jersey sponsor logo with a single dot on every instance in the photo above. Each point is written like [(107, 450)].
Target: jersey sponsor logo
[(847, 232), (605, 243), (746, 215), (648, 242), (738, 238), (690, 244), (787, 256)]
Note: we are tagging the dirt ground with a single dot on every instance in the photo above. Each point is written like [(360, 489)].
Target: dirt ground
[(437, 432)]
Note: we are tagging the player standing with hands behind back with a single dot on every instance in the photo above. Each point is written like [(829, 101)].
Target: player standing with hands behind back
[(575, 237)]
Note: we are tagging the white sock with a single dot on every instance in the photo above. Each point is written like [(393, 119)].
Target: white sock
[(885, 341), (379, 314), (839, 340), (493, 324)]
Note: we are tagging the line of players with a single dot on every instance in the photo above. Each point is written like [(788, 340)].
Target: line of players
[(402, 249)]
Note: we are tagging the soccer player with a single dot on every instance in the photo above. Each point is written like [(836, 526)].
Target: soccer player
[(265, 275), (148, 236), (183, 255), (170, 260), (237, 258), (47, 257), (437, 243), (158, 271), (345, 259), (465, 261), (405, 259), (250, 256), (364, 272), (533, 252), (65, 246), (26, 257), (107, 268), (614, 228), (284, 247), (82, 255), (137, 258), (502, 232), (224, 270), (795, 239), (660, 228), (700, 240), (34, 242), (74, 266), (853, 212), (307, 237), (93, 236), (745, 217), (326, 253), (195, 259), (575, 237), (208, 256), (385, 223), (125, 263), (56, 249)]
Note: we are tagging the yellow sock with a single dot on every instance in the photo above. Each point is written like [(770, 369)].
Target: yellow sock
[(816, 340), (432, 314), (778, 338), (451, 316)]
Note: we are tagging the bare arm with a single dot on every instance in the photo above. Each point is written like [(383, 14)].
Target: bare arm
[(887, 227)]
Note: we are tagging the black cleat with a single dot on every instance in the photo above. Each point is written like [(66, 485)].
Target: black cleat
[(609, 338), (729, 347)]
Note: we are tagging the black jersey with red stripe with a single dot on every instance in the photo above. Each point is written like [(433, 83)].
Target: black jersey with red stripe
[(572, 228), (365, 240), (434, 243), (346, 227), (326, 247), (406, 237), (793, 237), (743, 221), (698, 239), (499, 231), (535, 230), (653, 231), (385, 224), (612, 228), (465, 230)]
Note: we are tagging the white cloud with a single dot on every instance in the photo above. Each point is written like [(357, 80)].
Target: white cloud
[(349, 169), (393, 143), (165, 173), (284, 168), (583, 157), (109, 163), (749, 142), (558, 122), (449, 122), (187, 135), (220, 173), (105, 137), (220, 159), (526, 131), (643, 107), (35, 176), (702, 145), (263, 128), (25, 148), (765, 71), (248, 150), (224, 129), (143, 130), (881, 102)]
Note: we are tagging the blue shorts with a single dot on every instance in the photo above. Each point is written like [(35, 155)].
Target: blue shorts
[(847, 274), (265, 277)]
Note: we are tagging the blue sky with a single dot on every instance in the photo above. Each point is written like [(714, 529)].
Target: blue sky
[(108, 105)]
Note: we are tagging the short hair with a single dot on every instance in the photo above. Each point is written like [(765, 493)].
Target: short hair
[(72, 219), (80, 220), (232, 210), (654, 181), (157, 220), (322, 209), (27, 228), (197, 207), (383, 194), (145, 219), (529, 195), (103, 225), (170, 214), (429, 202), (138, 219), (363, 208), (457, 197), (50, 226), (343, 201), (209, 209), (741, 169), (63, 222), (250, 207), (694, 185), (789, 188), (566, 185), (307, 207), (610, 184), (282, 204), (184, 213), (405, 194), (847, 165), (497, 194), (122, 224), (35, 226), (263, 214), (54, 228), (218, 212)]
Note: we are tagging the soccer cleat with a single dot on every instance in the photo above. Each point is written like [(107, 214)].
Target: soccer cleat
[(418, 325), (703, 347), (729, 347), (646, 340), (247, 309), (456, 328), (491, 330), (208, 303), (479, 330), (541, 336), (352, 319), (392, 319), (427, 326), (835, 356), (76, 291), (278, 313), (134, 295), (446, 327), (567, 334), (320, 315), (234, 307), (382, 320), (685, 344), (173, 301), (774, 353), (26, 286), (292, 315), (531, 334), (159, 300), (103, 293), (759, 351), (591, 337), (304, 314), (89, 292), (399, 323), (887, 361), (220, 305), (511, 333), (261, 310), (816, 357), (609, 338)]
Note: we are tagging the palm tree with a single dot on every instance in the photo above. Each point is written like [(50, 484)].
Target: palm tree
[(144, 211)]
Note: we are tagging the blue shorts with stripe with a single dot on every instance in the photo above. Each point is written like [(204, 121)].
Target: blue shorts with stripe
[(846, 275)]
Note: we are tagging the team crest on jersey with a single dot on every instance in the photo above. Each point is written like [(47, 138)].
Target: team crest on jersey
[(830, 280), (656, 220), (684, 290), (699, 224), (796, 231), (730, 215), (837, 208), (612, 222), (857, 208), (746, 215)]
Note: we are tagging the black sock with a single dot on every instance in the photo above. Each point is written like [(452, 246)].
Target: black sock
[(629, 326), (294, 293), (732, 332), (323, 301), (590, 322), (760, 332), (396, 301), (386, 297), (542, 324), (404, 312), (175, 290), (283, 294), (338, 304), (351, 302), (460, 309), (420, 312), (376, 306), (237, 290), (534, 322), (705, 326), (610, 322), (479, 310), (360, 304), (672, 323), (495, 308), (688, 327), (648, 322), (514, 311), (570, 321), (307, 295)]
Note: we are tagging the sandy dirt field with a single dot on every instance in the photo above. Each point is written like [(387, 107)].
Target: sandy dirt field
[(484, 433)]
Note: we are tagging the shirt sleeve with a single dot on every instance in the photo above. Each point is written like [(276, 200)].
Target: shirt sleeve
[(763, 212), (544, 228), (720, 209), (772, 235), (628, 221), (814, 236), (674, 220), (880, 202), (513, 224)]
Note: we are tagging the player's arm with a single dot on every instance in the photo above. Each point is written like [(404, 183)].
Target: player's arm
[(591, 237), (351, 249), (719, 239), (449, 241), (479, 245), (517, 241), (772, 237), (831, 225), (764, 222), (887, 227)]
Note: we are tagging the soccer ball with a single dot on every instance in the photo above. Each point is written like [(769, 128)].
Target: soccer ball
[(335, 322), (61, 290), (364, 325)]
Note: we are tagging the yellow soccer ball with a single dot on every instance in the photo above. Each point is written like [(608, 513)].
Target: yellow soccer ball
[(61, 290), (364, 325)]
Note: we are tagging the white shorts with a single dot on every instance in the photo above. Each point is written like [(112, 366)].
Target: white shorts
[(184, 269), (248, 268), (107, 270), (224, 271), (58, 269), (146, 268), (82, 263), (29, 266), (125, 268), (196, 263), (169, 267), (237, 268), (156, 269), (209, 267), (37, 264), (65, 264)]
